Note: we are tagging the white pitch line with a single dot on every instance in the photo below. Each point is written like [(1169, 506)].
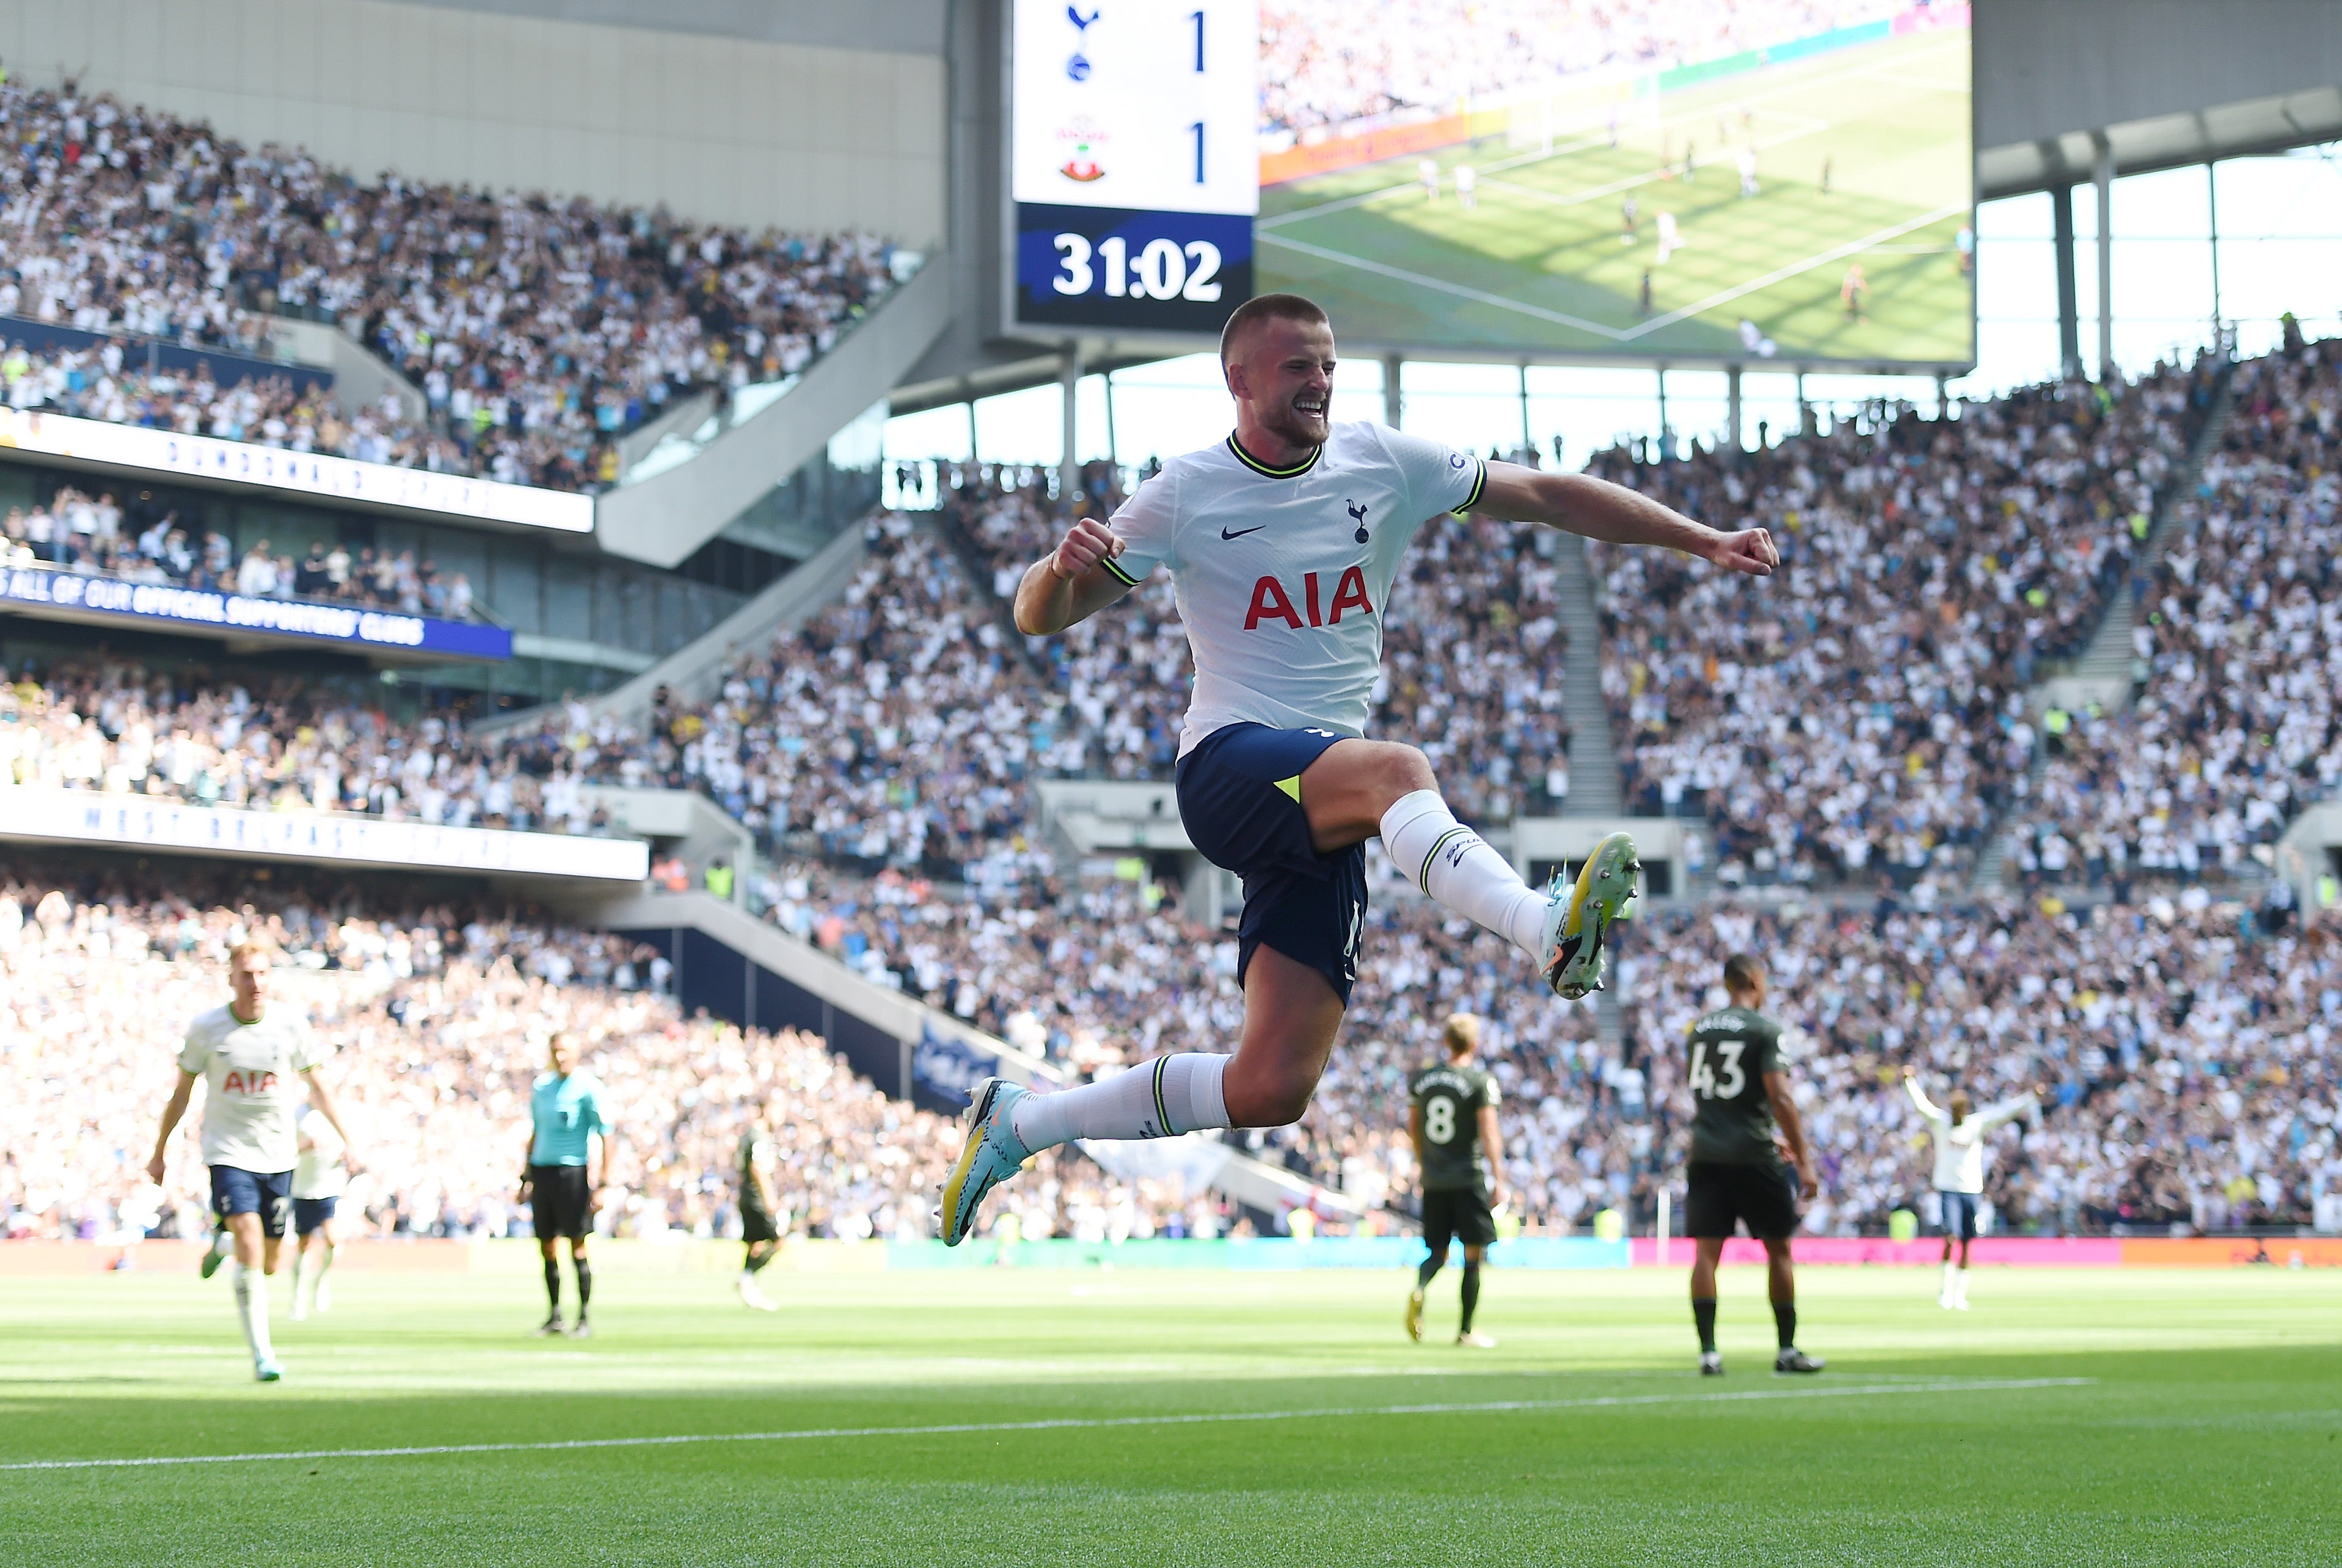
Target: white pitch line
[(1616, 335), (1441, 285), (1851, 247), (1070, 1423)]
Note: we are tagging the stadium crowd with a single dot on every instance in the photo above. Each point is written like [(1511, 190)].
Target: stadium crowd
[(1863, 714), (105, 382), (1325, 62), (95, 537), (2190, 1048), (2236, 727), (438, 1018), (538, 330), (125, 728), (897, 727)]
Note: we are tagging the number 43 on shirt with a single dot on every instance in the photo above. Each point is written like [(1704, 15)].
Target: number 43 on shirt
[(1707, 1082)]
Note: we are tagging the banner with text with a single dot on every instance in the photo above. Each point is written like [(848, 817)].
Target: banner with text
[(327, 478), (135, 822), (37, 590)]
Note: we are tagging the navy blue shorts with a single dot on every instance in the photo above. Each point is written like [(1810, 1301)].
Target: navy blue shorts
[(268, 1194), (1240, 799), (1959, 1215), (308, 1214)]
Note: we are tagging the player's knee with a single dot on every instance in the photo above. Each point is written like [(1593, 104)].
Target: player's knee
[(1403, 769), (1276, 1099)]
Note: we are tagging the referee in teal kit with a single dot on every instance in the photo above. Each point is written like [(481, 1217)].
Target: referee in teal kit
[(565, 1112)]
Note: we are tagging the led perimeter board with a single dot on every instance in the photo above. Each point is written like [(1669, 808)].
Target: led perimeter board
[(1132, 163)]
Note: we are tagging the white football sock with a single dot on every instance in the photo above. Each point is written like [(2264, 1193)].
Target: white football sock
[(251, 1306), (1946, 1292), (1457, 867), (1960, 1286), (1158, 1099)]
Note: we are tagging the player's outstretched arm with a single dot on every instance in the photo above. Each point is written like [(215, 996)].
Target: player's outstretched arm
[(1071, 583), (1928, 1108), (1598, 509)]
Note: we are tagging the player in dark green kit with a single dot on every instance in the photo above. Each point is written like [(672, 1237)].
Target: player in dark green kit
[(759, 1229), (1739, 1094), (1452, 1118)]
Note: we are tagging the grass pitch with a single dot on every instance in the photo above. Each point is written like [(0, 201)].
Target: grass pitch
[(2102, 1417), (1541, 265)]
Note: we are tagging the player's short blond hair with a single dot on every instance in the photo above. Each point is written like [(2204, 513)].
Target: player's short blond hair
[(1263, 307), (250, 946), (1461, 1033)]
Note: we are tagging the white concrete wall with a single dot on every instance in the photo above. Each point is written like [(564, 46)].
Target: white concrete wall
[(664, 518), (722, 129), (359, 377)]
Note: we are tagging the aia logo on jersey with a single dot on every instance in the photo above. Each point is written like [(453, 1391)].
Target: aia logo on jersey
[(1270, 602), (258, 1081)]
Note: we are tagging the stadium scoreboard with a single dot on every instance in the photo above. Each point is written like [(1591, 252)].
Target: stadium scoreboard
[(1134, 166)]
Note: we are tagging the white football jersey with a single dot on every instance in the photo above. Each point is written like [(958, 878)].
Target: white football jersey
[(252, 1084), (1282, 575), (318, 1171)]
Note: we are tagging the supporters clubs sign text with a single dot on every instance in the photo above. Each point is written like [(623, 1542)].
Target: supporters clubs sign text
[(1096, 266), (70, 593)]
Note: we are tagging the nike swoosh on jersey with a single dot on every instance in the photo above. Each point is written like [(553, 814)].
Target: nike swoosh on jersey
[(1241, 531)]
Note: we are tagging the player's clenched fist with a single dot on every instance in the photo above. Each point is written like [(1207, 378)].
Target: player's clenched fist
[(1086, 543), (1750, 550)]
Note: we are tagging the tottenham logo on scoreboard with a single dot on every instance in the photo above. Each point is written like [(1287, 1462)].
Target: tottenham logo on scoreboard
[(1077, 67)]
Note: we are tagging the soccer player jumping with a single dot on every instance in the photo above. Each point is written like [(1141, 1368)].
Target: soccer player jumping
[(1283, 543)]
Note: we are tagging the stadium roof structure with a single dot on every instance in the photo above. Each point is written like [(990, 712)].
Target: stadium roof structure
[(2153, 84)]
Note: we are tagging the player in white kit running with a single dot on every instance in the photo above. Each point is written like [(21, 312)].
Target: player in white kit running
[(1283, 543), (320, 1178), (249, 1058)]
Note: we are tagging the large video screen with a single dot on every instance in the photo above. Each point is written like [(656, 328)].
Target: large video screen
[(1702, 181), (1715, 180)]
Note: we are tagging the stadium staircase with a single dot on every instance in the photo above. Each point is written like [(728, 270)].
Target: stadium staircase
[(1594, 786), (978, 566), (361, 376), (664, 518), (742, 969), (2108, 670)]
